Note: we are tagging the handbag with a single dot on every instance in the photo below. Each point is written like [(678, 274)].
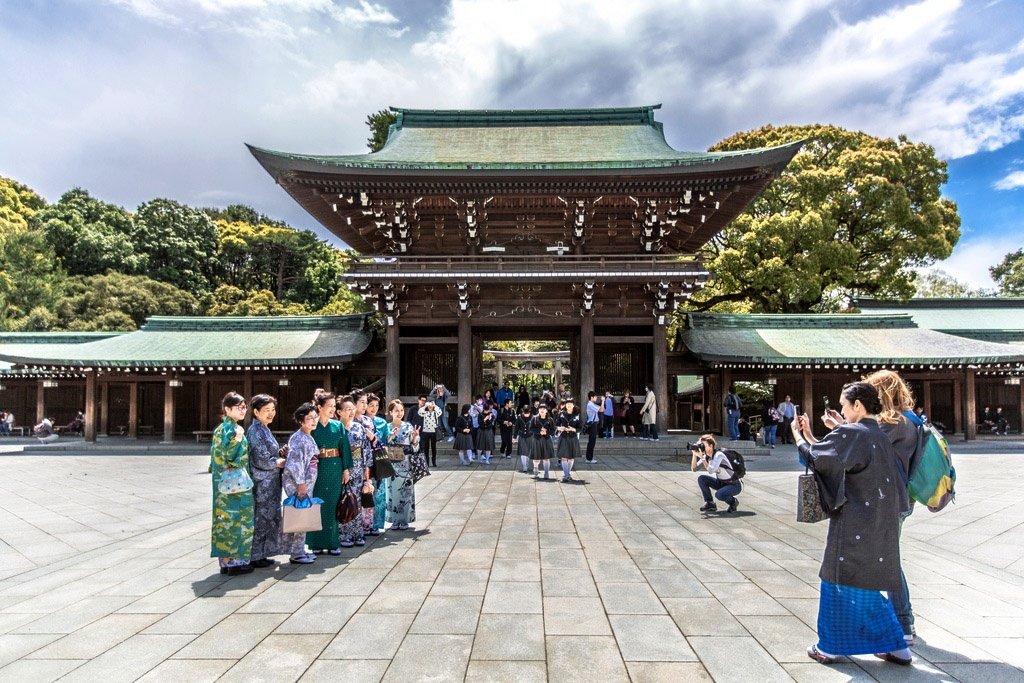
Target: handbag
[(301, 515), (347, 508), (234, 480), (418, 467), (366, 499), (396, 453), (808, 499)]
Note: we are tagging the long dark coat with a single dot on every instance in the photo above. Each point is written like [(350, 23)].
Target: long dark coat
[(859, 481)]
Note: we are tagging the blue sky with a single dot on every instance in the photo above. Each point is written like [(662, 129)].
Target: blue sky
[(134, 99)]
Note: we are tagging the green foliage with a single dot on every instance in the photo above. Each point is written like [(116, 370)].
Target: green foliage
[(852, 215), (116, 301), (89, 236), (239, 213), (230, 300), (30, 276), (379, 124), (940, 284), (18, 203), (1009, 274), (179, 243)]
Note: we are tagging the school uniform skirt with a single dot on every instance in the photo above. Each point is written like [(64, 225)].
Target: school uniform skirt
[(568, 447), (543, 449), (463, 442), (485, 440), (525, 446)]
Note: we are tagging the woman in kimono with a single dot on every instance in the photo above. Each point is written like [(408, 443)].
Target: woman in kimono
[(524, 437), (380, 493), (265, 463), (568, 426), (402, 501), (372, 441), (464, 436), (541, 428), (327, 434), (861, 488), (507, 422), (485, 435), (231, 533), (299, 476), (361, 437)]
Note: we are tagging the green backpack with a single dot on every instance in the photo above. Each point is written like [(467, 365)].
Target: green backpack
[(932, 477)]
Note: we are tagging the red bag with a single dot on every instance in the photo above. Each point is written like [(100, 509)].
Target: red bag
[(348, 507)]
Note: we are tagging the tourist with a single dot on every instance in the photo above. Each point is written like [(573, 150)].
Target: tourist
[(464, 436), (485, 434), (542, 427), (608, 415), (1002, 424), (506, 422), (788, 411), (327, 434), (475, 411), (649, 416), (44, 431), (402, 497), (5, 429), (724, 483), (429, 425), (489, 396), (626, 414), (231, 533), (535, 406), (567, 426), (380, 492), (439, 396), (732, 404), (524, 437), (770, 419), (265, 463), (370, 444), (504, 394), (522, 397), (299, 477), (593, 424), (860, 485), (355, 447), (744, 427)]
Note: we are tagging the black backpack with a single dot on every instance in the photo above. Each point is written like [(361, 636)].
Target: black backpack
[(736, 464)]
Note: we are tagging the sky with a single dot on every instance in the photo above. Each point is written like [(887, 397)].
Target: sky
[(137, 99)]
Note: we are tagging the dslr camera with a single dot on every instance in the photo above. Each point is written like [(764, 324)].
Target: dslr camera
[(695, 446)]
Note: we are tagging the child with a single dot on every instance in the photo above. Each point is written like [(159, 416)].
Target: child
[(542, 428), (525, 437), (463, 439), (485, 434)]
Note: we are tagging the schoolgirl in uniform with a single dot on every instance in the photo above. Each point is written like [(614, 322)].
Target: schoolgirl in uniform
[(485, 435), (524, 436), (542, 427), (507, 422), (568, 426), (463, 437)]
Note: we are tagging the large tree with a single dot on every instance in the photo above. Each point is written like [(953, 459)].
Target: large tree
[(116, 301), (89, 236), (179, 243), (380, 124), (1009, 274), (18, 203), (852, 214)]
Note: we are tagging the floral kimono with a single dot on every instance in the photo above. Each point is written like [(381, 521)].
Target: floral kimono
[(380, 494), (300, 467), (231, 536), (402, 504), (369, 428), (361, 457), (266, 478)]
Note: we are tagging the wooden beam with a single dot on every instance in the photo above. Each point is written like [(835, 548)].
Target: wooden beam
[(420, 341), (247, 385), (971, 410), (926, 397), (105, 408), (90, 406), (40, 401), (808, 400), (204, 403), (391, 369), (660, 348), (586, 358), (465, 387), (168, 412), (958, 407), (133, 410)]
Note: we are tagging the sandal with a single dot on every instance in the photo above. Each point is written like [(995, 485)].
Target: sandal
[(890, 657), (814, 653)]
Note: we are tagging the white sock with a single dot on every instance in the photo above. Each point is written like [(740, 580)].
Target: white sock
[(526, 462)]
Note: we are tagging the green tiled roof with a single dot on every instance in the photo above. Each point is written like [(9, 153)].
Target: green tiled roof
[(995, 319), (51, 340), (564, 139), (891, 339), (204, 342)]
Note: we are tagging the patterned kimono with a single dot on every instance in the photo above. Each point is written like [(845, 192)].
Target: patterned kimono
[(369, 428), (328, 485), (381, 493), (231, 537), (361, 457), (266, 477), (402, 506), (300, 467)]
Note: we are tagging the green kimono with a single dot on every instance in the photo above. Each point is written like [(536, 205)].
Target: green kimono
[(328, 484), (232, 527)]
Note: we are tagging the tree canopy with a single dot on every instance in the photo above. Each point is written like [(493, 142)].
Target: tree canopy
[(116, 301), (853, 214), (1009, 274), (379, 124), (179, 243)]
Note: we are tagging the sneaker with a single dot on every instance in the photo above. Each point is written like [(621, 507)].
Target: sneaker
[(591, 462), (709, 507), (733, 505), (773, 445), (303, 559), (819, 657)]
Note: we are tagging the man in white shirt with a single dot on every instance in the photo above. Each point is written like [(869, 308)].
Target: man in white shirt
[(717, 463), (788, 411)]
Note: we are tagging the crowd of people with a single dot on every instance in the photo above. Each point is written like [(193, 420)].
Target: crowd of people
[(341, 446)]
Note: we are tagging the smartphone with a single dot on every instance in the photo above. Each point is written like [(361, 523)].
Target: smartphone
[(824, 399)]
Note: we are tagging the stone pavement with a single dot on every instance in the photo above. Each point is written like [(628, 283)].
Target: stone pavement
[(105, 575)]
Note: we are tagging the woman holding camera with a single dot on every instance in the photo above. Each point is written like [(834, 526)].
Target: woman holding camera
[(726, 486), (862, 490)]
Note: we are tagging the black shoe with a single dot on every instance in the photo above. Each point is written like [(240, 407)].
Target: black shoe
[(709, 507), (239, 570), (733, 505)]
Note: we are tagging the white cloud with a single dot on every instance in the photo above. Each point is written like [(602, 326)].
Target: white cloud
[(972, 257), (367, 13), (1011, 181)]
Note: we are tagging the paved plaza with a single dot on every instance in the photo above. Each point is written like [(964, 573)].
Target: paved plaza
[(105, 575)]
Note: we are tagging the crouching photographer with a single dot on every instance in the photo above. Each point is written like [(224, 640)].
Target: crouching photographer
[(726, 477)]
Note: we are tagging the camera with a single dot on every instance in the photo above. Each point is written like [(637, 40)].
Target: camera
[(695, 446)]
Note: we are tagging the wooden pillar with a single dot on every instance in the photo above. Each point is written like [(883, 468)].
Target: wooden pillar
[(926, 397), (586, 358), (90, 405), (477, 363), (133, 410), (327, 381), (970, 410), (247, 386), (661, 375), (958, 408), (40, 402), (391, 360), (168, 412), (558, 372), (500, 369), (204, 403), (104, 408), (465, 363), (808, 400), (726, 383)]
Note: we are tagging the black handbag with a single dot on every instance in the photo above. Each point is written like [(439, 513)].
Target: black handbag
[(366, 499), (808, 499), (347, 508)]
